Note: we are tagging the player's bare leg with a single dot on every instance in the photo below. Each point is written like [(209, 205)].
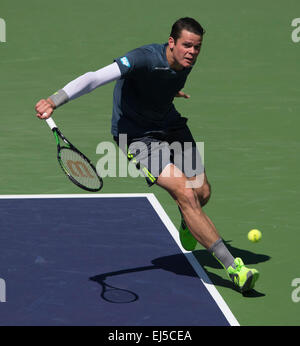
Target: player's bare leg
[(201, 187), (188, 197), (177, 184)]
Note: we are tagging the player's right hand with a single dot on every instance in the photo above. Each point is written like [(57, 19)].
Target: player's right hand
[(44, 108)]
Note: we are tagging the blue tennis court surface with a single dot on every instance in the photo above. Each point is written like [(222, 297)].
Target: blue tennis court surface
[(96, 261)]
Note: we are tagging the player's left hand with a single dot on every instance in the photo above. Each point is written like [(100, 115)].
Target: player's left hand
[(182, 94)]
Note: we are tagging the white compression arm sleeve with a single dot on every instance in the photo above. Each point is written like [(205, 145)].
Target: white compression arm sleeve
[(92, 80)]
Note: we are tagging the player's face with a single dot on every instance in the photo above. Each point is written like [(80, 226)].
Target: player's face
[(186, 49)]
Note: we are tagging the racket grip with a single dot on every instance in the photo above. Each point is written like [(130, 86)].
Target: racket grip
[(51, 123)]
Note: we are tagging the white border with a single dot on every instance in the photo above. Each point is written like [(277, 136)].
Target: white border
[(171, 228), (194, 263), (87, 195)]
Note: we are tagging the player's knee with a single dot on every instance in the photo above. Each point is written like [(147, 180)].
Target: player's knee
[(186, 198), (204, 194)]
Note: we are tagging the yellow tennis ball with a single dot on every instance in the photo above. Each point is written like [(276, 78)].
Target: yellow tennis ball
[(254, 235)]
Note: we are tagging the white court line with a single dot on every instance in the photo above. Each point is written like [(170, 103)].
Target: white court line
[(87, 195), (171, 228), (194, 263)]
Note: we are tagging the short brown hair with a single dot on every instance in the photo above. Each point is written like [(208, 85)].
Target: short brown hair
[(186, 23)]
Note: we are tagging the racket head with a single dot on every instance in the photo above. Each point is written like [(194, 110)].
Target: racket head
[(79, 169)]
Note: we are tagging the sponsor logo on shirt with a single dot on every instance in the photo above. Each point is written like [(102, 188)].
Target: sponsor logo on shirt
[(125, 61)]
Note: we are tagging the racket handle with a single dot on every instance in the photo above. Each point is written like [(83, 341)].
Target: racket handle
[(51, 123)]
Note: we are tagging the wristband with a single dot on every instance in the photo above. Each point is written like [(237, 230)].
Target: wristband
[(59, 98)]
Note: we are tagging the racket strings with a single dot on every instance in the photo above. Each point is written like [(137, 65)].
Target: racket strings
[(77, 167)]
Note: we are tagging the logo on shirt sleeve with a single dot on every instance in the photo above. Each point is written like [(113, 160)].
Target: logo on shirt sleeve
[(125, 61)]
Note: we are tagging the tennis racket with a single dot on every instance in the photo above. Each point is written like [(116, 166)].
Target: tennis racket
[(77, 167)]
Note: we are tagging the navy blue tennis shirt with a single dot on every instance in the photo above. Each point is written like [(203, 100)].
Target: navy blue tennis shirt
[(143, 96)]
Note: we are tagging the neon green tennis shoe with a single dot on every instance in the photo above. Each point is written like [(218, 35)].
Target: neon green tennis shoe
[(187, 240), (242, 277)]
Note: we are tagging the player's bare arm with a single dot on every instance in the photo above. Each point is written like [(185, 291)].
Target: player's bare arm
[(182, 94)]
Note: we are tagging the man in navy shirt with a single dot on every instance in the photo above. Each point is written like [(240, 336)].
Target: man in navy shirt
[(158, 139), (144, 94)]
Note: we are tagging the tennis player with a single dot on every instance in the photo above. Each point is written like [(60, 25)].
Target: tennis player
[(147, 80)]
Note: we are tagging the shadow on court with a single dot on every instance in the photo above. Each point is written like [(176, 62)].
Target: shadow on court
[(248, 257), (175, 264), (50, 261)]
